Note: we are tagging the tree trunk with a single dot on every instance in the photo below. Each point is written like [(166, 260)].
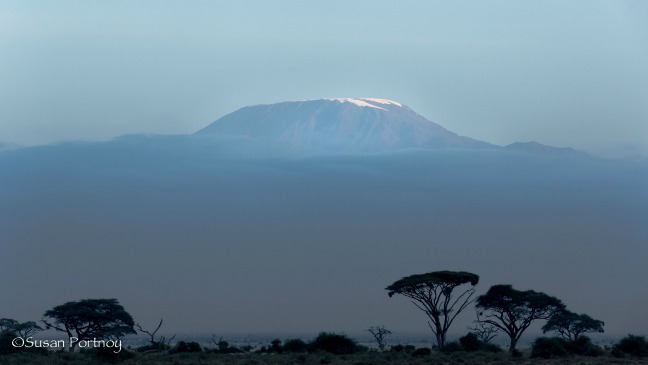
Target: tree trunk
[(513, 344), (440, 341)]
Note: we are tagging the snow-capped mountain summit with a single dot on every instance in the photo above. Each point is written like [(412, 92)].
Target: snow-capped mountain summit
[(368, 102), (339, 125)]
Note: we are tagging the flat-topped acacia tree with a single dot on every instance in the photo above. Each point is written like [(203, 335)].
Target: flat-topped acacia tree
[(433, 294), (88, 319), (571, 326), (512, 311)]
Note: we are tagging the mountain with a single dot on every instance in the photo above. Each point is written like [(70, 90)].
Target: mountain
[(339, 125)]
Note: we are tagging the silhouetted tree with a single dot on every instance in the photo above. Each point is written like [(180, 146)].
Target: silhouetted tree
[(379, 334), (90, 318), (24, 330), (512, 311), (571, 325), (156, 345), (432, 293), (485, 332)]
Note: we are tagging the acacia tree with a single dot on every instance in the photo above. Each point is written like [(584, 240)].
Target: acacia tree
[(90, 318), (512, 311), (570, 325), (433, 294), (23, 330)]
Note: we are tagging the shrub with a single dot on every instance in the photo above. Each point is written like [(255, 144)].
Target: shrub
[(186, 347), (489, 347), (452, 347), (225, 348), (108, 354), (154, 347), (295, 345), (397, 348), (548, 348), (5, 343), (470, 342), (583, 346), (423, 351), (275, 346), (7, 348), (334, 343), (631, 345)]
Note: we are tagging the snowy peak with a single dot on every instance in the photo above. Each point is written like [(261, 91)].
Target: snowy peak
[(368, 102)]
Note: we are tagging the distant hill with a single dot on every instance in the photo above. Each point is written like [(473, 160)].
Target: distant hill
[(7, 146), (535, 147)]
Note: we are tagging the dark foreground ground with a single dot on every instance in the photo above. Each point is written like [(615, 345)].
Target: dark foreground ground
[(319, 358)]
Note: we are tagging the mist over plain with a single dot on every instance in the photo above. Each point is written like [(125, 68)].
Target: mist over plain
[(215, 238)]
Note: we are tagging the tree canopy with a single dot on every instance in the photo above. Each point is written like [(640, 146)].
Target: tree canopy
[(512, 311), (91, 318), (570, 325), (433, 294)]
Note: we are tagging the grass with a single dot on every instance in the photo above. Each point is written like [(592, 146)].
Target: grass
[(318, 358)]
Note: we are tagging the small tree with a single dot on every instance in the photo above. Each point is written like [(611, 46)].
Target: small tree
[(571, 325), (485, 332), (512, 311), (432, 293), (379, 334), (90, 318), (23, 330)]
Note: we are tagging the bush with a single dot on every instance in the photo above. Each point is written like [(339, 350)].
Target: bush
[(409, 348), (186, 347), (108, 354), (7, 348), (489, 347), (583, 346), (275, 346), (295, 345), (470, 342), (5, 343), (334, 343), (631, 345), (225, 348), (452, 347), (153, 347), (401, 348), (423, 351), (548, 348)]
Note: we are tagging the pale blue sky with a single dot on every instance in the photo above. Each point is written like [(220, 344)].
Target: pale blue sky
[(564, 73)]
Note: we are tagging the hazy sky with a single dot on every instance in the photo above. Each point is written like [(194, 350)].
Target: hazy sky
[(564, 73)]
